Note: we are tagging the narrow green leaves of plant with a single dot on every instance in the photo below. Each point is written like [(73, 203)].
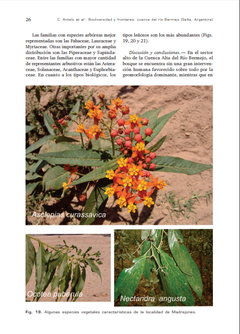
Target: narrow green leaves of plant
[(30, 188), (158, 144), (79, 157), (98, 173), (94, 267), (128, 281), (174, 282), (30, 258), (29, 128), (57, 278), (161, 121), (178, 165), (40, 263), (96, 202), (39, 143), (80, 284), (54, 178), (48, 121), (185, 261)]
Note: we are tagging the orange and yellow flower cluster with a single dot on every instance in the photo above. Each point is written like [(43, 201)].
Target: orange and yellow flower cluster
[(131, 184)]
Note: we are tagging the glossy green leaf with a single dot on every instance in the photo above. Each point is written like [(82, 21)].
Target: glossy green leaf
[(94, 267), (128, 281), (96, 202), (178, 165), (185, 261), (30, 258), (98, 173), (30, 188), (174, 281), (54, 178), (76, 157), (48, 121), (39, 143), (157, 145)]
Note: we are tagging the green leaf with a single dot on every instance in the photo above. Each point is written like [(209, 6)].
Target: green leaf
[(79, 157), (151, 114), (174, 281), (157, 145), (80, 284), (73, 117), (29, 128), (57, 278), (30, 258), (75, 277), (40, 263), (63, 146), (54, 178), (39, 143), (94, 267), (98, 173), (64, 284), (185, 261), (159, 125), (48, 121), (32, 176), (96, 202), (66, 139), (37, 166), (178, 165), (30, 188), (128, 281)]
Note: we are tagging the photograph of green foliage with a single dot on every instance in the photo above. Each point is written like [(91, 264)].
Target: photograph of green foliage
[(163, 267), (102, 155), (62, 268)]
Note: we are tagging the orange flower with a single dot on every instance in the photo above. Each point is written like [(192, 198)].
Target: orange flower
[(148, 201), (96, 131), (66, 185), (80, 128), (139, 150), (116, 103), (156, 184), (134, 121), (96, 114)]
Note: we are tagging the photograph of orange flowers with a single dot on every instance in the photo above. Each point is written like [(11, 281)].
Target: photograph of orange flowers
[(119, 155)]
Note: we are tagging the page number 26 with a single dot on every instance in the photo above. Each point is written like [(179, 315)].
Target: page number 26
[(28, 19)]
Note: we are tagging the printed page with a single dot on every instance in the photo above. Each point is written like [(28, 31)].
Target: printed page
[(121, 131)]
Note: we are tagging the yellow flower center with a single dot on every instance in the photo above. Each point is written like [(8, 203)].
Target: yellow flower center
[(148, 201), (122, 202), (110, 174), (109, 192), (140, 146), (131, 208)]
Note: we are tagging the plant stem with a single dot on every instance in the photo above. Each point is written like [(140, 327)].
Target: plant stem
[(113, 146), (82, 139)]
